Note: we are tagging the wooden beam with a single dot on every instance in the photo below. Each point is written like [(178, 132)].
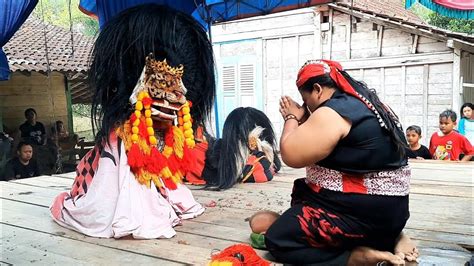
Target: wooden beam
[(281, 67), (24, 73), (403, 96), (426, 69), (79, 89), (382, 84), (348, 38), (468, 85), (331, 14), (455, 44), (74, 85), (414, 45), (69, 106), (380, 29), (456, 79), (317, 42), (394, 61), (77, 95)]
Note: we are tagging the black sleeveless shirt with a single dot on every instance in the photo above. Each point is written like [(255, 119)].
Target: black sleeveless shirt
[(367, 147)]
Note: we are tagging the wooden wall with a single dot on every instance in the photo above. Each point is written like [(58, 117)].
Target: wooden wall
[(467, 75), (46, 95), (286, 42), (413, 74)]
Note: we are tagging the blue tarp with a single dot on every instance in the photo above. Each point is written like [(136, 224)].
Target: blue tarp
[(106, 9), (12, 15), (208, 11), (226, 10)]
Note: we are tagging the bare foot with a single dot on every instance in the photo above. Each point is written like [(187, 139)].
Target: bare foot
[(369, 256), (406, 248)]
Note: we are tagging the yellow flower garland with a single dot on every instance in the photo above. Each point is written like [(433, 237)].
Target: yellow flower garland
[(182, 134)]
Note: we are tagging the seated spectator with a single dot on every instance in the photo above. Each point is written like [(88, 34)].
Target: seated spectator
[(32, 131), (23, 165), (466, 123), (5, 149), (449, 144), (416, 150), (61, 130)]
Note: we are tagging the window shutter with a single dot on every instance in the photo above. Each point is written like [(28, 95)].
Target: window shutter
[(247, 84), (228, 81)]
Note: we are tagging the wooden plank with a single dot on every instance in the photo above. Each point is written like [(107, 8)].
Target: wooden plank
[(432, 194), (274, 187), (399, 60), (349, 38), (402, 115), (380, 29), (426, 70), (172, 250), (414, 45), (457, 44), (262, 200), (22, 246), (318, 43), (266, 34), (331, 15), (281, 67), (456, 89), (382, 84)]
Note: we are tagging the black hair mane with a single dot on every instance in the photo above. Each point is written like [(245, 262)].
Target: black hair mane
[(119, 56), (224, 154)]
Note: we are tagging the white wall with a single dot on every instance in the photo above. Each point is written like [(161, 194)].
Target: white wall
[(413, 74)]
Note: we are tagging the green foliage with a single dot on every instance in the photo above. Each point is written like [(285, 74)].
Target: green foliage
[(81, 110), (435, 19), (56, 12), (459, 25)]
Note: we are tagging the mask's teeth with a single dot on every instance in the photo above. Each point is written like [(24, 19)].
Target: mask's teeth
[(163, 115)]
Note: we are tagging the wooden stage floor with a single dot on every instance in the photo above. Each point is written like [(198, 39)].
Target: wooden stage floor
[(441, 205)]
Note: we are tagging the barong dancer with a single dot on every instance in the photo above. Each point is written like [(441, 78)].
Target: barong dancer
[(131, 182)]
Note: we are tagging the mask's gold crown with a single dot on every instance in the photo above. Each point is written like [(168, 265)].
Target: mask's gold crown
[(163, 67)]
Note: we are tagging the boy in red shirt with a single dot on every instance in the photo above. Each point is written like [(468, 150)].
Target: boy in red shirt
[(449, 144)]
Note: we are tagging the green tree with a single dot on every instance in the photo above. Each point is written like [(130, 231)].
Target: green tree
[(459, 25), (64, 12), (435, 19)]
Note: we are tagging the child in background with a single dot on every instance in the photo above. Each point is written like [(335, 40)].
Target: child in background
[(23, 165), (466, 124), (449, 144), (416, 150)]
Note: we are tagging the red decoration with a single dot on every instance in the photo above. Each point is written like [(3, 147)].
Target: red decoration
[(240, 254)]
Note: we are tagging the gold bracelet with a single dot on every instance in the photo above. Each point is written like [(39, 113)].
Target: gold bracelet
[(291, 116)]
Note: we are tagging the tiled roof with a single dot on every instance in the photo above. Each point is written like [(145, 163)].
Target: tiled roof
[(393, 11), (391, 8), (26, 50)]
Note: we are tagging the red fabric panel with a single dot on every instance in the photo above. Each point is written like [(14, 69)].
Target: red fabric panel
[(353, 184), (259, 173), (194, 175)]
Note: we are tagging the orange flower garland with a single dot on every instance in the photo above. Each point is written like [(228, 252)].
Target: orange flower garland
[(166, 168)]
